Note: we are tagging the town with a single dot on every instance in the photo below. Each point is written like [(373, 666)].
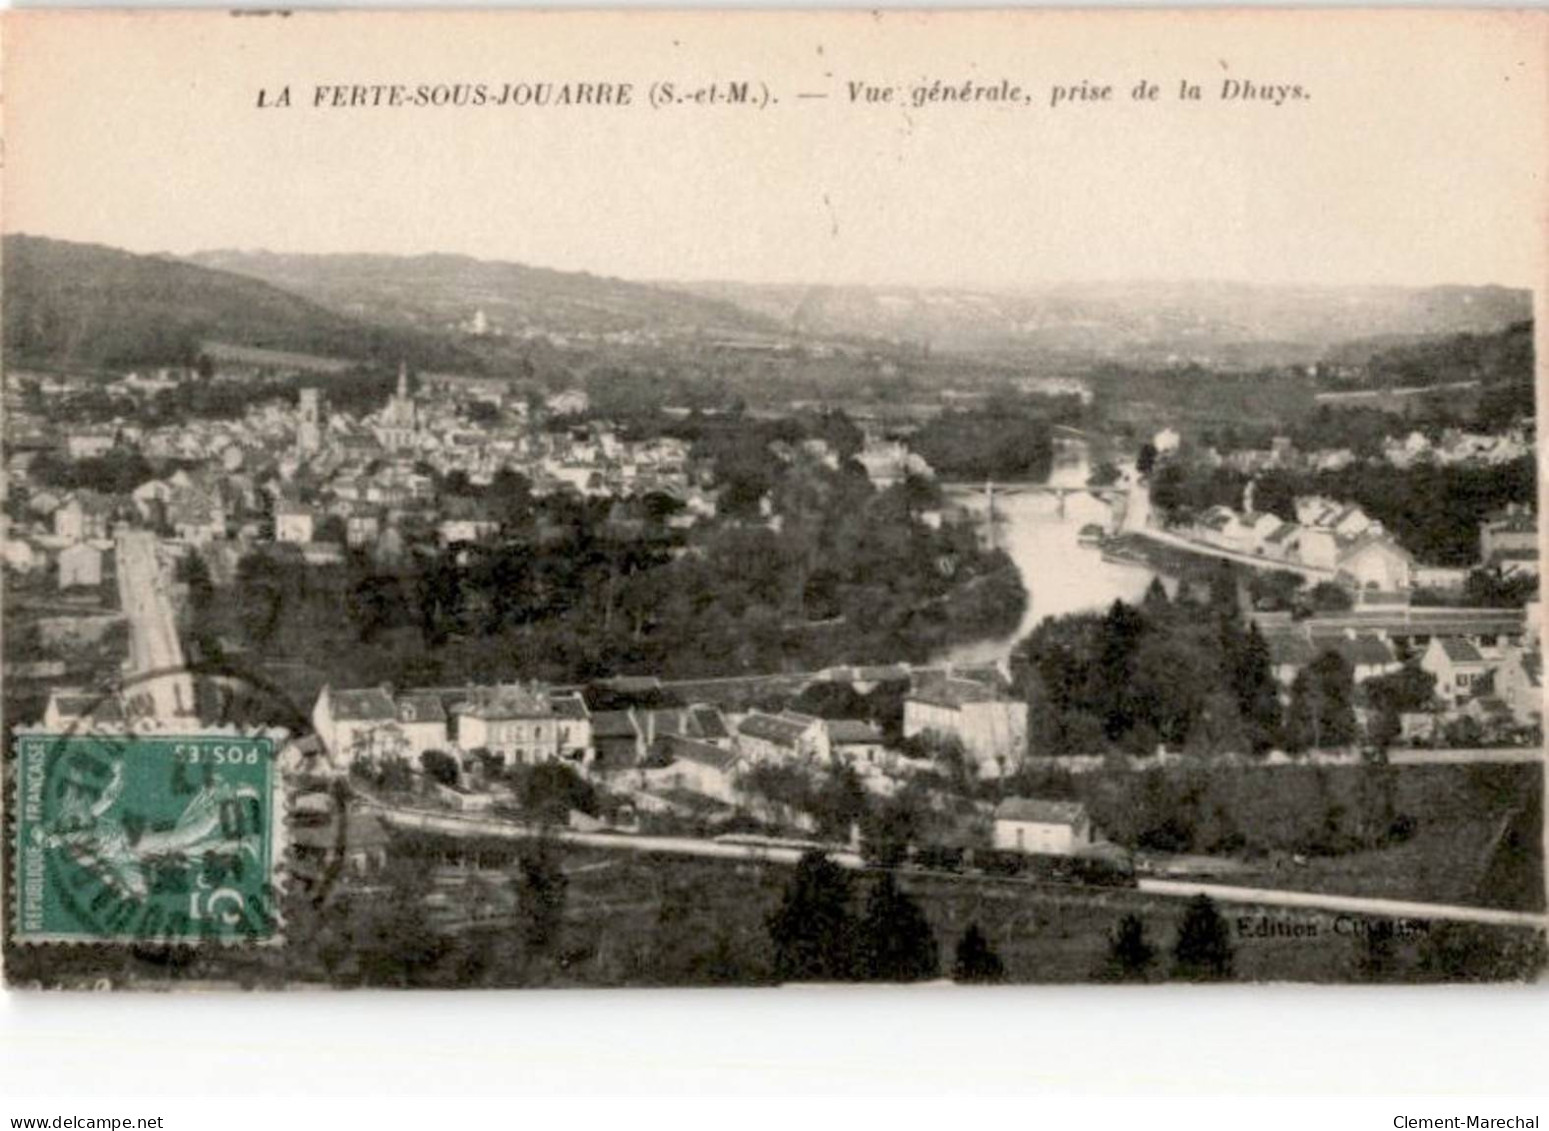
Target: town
[(501, 617)]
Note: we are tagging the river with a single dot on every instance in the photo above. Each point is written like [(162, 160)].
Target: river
[(1059, 573)]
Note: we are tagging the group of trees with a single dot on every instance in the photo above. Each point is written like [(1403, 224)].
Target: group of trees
[(1190, 676), (1309, 810), (1202, 951), (819, 934), (1006, 440), (569, 592)]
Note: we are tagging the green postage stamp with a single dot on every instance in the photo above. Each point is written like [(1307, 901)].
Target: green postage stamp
[(144, 838)]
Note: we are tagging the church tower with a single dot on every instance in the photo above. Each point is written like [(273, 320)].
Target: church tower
[(309, 424), (398, 419)]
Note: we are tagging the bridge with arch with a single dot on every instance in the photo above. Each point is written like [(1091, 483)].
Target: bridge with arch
[(1114, 493)]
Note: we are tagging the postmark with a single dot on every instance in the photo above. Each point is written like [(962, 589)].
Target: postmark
[(144, 838)]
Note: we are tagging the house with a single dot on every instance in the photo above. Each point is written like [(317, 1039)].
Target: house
[(196, 517), (361, 529), (573, 737), (357, 724), (1519, 682), (516, 722), (1367, 653), (80, 564), (1025, 824), (1281, 543), (616, 739), (1261, 528), (1513, 528), (694, 766), (786, 737), (854, 742), (294, 523), (1458, 666), (75, 710), (422, 719), (1351, 522), (1375, 561), (84, 517), (1289, 653), (991, 727), (1317, 547), (454, 530), (20, 556), (1514, 563)]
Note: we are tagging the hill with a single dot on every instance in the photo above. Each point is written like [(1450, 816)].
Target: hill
[(439, 292), (1218, 325), (84, 305)]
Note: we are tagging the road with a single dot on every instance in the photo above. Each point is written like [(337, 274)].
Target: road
[(453, 824), (1353, 904), (1164, 538), (156, 670), (1499, 755)]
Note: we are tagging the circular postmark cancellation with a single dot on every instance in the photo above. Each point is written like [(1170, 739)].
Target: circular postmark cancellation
[(154, 828)]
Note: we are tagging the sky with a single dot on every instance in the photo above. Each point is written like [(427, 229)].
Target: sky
[(1416, 158)]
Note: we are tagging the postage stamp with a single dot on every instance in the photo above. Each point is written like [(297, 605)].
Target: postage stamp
[(140, 838)]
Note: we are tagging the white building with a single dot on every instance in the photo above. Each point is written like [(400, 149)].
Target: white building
[(357, 724), (422, 721), (1460, 669), (80, 564), (1057, 828), (294, 523), (991, 727), (1375, 561)]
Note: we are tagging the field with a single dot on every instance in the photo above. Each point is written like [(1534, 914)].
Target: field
[(667, 921), (1465, 834)]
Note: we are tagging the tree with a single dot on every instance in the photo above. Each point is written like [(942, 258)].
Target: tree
[(1146, 460), (1129, 955), (840, 802), (975, 961), (1392, 695), (331, 529), (1322, 709), (439, 766), (541, 889), (1328, 597), (550, 790), (1203, 951), (831, 699), (1104, 474), (814, 933), (1252, 678), (893, 827), (897, 944), (391, 935)]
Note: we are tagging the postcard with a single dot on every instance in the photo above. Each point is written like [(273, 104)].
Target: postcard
[(534, 499)]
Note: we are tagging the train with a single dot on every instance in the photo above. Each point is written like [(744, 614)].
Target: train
[(1091, 871)]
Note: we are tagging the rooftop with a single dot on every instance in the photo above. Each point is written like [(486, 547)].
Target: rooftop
[(1459, 650), (371, 704), (420, 707), (777, 729), (507, 701), (950, 691), (1040, 812)]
